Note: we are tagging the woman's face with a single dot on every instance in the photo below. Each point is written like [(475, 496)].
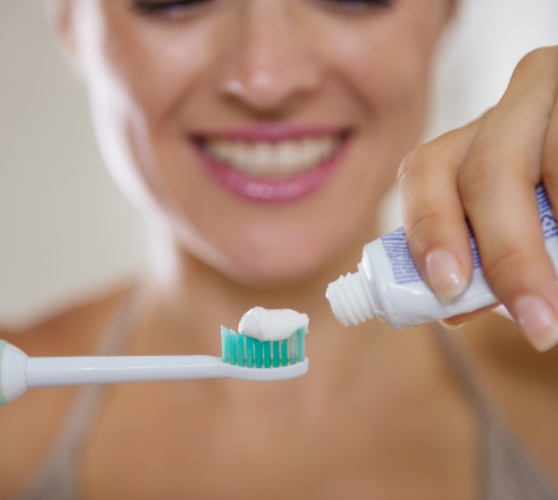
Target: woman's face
[(264, 132)]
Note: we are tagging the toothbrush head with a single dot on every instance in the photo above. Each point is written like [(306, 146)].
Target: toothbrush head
[(244, 351)]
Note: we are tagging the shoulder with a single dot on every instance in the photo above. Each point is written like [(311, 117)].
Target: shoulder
[(29, 423), (71, 331)]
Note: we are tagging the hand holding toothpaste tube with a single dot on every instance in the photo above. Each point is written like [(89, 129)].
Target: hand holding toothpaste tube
[(486, 173)]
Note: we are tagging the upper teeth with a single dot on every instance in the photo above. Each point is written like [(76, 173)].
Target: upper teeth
[(266, 158)]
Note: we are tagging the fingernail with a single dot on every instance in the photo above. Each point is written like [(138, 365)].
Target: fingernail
[(538, 321), (445, 274), (449, 327)]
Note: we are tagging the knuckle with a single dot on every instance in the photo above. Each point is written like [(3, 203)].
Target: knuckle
[(433, 155), (420, 220), (419, 228), (539, 69), (482, 168), (409, 166), (537, 58)]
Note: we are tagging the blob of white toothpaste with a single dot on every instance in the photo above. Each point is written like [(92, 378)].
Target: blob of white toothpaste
[(272, 324)]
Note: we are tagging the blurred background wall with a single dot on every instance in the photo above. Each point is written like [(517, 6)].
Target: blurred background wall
[(65, 230)]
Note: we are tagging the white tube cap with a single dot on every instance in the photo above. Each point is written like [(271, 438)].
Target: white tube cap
[(350, 300), (13, 376)]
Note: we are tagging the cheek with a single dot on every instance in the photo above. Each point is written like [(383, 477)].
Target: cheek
[(142, 73), (157, 67), (387, 68)]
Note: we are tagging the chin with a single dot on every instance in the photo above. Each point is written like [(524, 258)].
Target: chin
[(267, 277), (277, 266)]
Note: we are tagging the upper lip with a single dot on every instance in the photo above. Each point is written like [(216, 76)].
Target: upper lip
[(270, 132)]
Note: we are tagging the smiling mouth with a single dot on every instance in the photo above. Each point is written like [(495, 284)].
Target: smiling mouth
[(277, 160), (272, 163)]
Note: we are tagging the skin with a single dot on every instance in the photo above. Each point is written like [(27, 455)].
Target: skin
[(378, 405)]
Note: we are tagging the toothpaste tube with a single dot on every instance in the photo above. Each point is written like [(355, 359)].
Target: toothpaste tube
[(388, 285)]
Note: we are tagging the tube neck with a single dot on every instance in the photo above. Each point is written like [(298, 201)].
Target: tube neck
[(350, 299)]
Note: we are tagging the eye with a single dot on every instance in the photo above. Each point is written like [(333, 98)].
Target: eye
[(385, 3), (358, 5), (173, 9)]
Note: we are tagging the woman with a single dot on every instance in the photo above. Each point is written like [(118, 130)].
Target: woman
[(259, 136)]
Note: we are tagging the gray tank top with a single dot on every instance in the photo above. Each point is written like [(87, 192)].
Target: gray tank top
[(508, 472)]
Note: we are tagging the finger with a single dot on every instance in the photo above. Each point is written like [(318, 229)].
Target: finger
[(550, 158), (433, 216), (497, 185)]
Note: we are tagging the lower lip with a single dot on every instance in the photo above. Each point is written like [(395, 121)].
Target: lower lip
[(272, 190)]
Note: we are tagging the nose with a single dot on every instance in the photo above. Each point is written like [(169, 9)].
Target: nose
[(273, 62)]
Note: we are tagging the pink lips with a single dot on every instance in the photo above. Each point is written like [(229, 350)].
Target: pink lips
[(271, 189)]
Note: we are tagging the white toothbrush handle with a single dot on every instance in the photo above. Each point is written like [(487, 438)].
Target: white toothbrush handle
[(18, 372), (51, 372)]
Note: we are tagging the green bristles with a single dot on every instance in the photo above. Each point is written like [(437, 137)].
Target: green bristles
[(285, 352), (276, 355), (249, 352), (259, 351), (241, 350), (300, 336), (267, 354)]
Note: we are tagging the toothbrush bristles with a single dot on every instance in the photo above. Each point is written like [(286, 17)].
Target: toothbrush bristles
[(241, 350)]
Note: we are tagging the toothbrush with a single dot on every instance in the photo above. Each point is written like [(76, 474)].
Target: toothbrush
[(243, 358)]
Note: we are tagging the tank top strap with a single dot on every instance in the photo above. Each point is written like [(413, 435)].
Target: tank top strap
[(507, 470), (463, 370), (57, 477)]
